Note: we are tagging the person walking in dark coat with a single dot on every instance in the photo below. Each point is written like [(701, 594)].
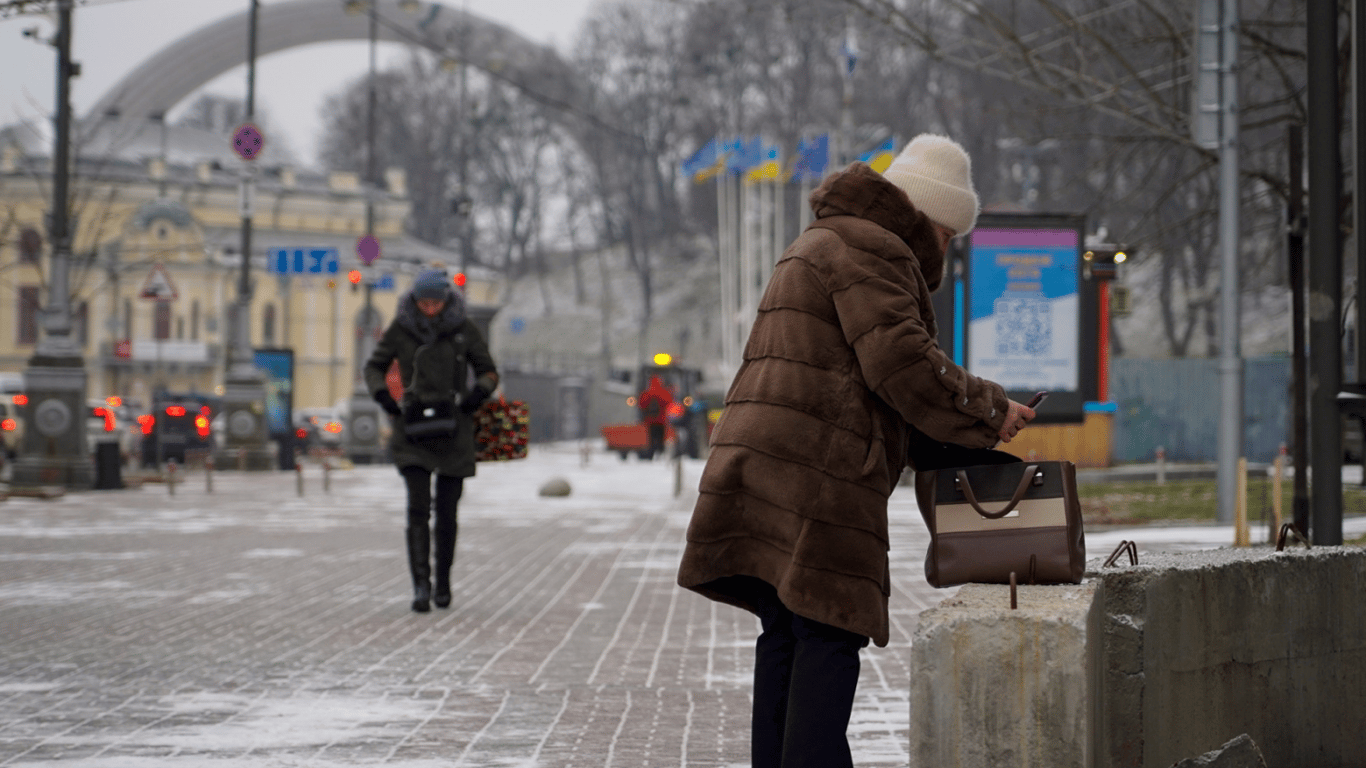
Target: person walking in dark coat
[(447, 371), (841, 375)]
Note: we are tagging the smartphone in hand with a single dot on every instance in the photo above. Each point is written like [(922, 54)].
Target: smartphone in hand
[(1037, 400)]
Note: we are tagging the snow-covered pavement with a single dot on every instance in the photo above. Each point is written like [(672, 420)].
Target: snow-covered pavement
[(254, 627)]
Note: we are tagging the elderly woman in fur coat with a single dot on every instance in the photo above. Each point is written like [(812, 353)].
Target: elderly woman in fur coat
[(447, 371), (842, 384)]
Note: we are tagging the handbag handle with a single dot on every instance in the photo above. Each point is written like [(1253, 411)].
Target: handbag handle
[(1020, 491)]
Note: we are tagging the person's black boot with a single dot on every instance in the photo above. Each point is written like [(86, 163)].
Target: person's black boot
[(419, 547), (442, 595)]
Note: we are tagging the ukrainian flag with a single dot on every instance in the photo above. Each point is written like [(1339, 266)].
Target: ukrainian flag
[(768, 167), (813, 157), (705, 163), (880, 157), (743, 156)]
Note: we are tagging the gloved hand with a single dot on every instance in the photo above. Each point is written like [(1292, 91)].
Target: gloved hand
[(474, 399), (386, 401)]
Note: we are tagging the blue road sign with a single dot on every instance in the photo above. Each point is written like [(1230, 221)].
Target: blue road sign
[(303, 261)]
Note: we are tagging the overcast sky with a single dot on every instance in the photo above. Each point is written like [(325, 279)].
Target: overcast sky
[(111, 37)]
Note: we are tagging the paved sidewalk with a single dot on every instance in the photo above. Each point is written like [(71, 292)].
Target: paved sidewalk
[(252, 627)]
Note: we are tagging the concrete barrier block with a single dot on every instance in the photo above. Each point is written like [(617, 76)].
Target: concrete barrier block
[(1234, 641), (991, 686), (1142, 666)]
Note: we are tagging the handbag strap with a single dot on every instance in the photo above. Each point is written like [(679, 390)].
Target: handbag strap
[(1020, 491)]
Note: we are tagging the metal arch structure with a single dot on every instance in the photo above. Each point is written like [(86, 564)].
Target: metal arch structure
[(174, 72)]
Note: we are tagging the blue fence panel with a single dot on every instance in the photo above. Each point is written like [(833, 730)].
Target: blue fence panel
[(1175, 404)]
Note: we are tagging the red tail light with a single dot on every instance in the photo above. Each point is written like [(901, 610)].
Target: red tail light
[(201, 423), (175, 410), (147, 421), (20, 399), (301, 433), (9, 425)]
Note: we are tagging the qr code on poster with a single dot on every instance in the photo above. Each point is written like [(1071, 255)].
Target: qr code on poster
[(1024, 327)]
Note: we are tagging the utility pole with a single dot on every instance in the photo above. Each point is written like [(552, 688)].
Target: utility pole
[(244, 392), (362, 434), (1216, 127), (1325, 275), (55, 447)]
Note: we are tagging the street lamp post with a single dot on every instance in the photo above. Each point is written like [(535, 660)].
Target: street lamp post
[(244, 394), (362, 434), (55, 448)]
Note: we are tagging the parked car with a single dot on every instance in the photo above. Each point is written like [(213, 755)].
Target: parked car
[(11, 426), (318, 428), (102, 425), (12, 409), (175, 427)]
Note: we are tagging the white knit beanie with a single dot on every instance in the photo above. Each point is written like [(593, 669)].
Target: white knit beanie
[(935, 172)]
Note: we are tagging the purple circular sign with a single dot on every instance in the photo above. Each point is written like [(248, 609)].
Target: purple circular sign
[(367, 248), (247, 141)]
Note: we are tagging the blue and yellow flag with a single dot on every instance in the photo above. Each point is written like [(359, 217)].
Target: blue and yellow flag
[(744, 155), (813, 157), (768, 167), (705, 163), (881, 156)]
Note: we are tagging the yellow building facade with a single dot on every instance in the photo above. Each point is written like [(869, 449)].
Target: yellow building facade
[(156, 262)]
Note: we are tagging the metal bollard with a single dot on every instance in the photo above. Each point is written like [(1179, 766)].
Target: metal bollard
[(299, 475), (1276, 479), (1241, 536), (208, 474), (678, 476), (327, 476), (1161, 465), (241, 459), (170, 477)]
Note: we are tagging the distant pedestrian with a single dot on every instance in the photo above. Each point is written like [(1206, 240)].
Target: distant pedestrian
[(842, 382), (654, 412), (446, 371)]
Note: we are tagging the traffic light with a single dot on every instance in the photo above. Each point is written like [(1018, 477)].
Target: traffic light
[(354, 276), (459, 279)]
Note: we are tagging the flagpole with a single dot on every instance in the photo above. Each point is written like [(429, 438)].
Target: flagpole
[(724, 226), (779, 224), (746, 258)]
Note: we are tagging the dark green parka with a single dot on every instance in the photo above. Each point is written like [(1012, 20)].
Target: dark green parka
[(438, 357)]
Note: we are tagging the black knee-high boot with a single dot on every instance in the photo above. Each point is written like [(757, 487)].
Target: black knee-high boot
[(448, 490), (419, 564)]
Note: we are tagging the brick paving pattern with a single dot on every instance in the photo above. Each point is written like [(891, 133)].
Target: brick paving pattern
[(252, 626)]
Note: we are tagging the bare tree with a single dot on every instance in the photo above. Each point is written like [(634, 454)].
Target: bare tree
[(1108, 85)]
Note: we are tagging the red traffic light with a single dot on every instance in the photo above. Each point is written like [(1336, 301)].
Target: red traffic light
[(460, 279), (354, 276)]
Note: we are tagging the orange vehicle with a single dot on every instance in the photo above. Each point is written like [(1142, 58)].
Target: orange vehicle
[(628, 438)]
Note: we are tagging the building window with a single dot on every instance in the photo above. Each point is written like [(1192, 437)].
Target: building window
[(80, 321), (194, 320), (27, 324), (268, 326), (161, 322)]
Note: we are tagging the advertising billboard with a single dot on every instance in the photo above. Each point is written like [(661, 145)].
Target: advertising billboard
[(1030, 317)]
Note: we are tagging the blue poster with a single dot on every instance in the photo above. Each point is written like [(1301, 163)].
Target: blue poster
[(278, 367), (1024, 313)]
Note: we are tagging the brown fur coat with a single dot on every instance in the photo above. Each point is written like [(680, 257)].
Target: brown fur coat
[(813, 437)]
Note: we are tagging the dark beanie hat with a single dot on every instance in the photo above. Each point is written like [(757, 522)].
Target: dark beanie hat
[(431, 284)]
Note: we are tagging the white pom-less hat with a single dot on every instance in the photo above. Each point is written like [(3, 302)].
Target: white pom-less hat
[(936, 173)]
